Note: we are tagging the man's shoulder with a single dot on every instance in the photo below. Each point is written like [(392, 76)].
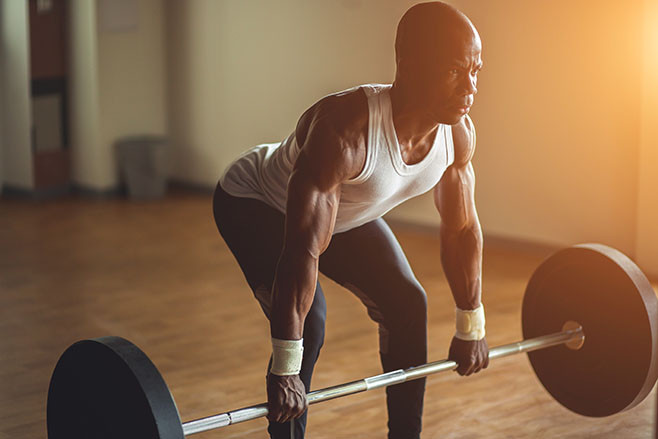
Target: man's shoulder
[(463, 136), (344, 113), (332, 136)]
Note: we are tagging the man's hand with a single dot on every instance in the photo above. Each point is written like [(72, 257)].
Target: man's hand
[(471, 356), (286, 397)]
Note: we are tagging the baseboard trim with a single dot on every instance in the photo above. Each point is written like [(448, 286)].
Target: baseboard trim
[(84, 191), (52, 193), (99, 194), (201, 188), (498, 241), (505, 242), (14, 192)]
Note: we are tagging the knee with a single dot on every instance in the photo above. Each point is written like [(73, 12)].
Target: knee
[(415, 303), (403, 338), (409, 314), (407, 323)]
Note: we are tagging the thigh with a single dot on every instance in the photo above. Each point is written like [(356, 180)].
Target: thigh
[(370, 262), (253, 231)]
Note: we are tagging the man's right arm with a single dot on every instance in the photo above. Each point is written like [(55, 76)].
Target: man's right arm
[(324, 162)]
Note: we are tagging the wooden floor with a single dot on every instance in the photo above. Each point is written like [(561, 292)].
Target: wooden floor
[(159, 274)]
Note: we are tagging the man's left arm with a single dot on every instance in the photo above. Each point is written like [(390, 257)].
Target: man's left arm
[(461, 253)]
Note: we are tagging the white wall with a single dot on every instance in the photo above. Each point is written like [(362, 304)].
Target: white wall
[(16, 117), (117, 86)]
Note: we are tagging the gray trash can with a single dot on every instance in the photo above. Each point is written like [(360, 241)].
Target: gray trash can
[(143, 165)]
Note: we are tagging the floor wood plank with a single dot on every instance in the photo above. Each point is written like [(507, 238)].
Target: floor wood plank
[(158, 274)]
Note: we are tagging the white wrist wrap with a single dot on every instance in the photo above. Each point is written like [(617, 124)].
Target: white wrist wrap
[(286, 356), (470, 324)]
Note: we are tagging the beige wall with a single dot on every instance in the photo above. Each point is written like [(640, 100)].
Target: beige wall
[(557, 117), (132, 77), (647, 230), (86, 162), (564, 115), (117, 87), (241, 73), (558, 113), (16, 155), (2, 99)]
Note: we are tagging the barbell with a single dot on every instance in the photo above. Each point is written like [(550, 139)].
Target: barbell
[(590, 327)]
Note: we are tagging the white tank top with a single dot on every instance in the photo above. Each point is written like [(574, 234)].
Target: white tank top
[(386, 180)]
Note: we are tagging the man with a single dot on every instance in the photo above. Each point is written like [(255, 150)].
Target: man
[(315, 200)]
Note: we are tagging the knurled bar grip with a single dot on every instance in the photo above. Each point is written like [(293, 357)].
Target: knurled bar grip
[(383, 380)]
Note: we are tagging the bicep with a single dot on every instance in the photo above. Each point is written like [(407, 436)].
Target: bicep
[(454, 197)]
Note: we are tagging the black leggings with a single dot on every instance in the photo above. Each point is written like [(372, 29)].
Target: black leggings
[(368, 261)]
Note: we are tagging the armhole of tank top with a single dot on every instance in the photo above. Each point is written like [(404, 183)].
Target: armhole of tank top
[(473, 139), (230, 168), (450, 146), (371, 96)]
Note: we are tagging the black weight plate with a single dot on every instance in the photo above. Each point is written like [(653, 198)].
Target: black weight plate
[(107, 388), (603, 290)]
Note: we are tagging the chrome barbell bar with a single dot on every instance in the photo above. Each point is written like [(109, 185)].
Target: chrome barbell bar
[(572, 335)]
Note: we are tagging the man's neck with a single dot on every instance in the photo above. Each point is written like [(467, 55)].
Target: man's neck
[(412, 123)]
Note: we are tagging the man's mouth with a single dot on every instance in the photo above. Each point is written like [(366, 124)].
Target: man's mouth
[(462, 107)]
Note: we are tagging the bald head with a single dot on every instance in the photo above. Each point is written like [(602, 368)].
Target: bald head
[(438, 57), (431, 28)]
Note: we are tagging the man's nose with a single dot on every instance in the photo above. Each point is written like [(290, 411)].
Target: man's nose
[(470, 85)]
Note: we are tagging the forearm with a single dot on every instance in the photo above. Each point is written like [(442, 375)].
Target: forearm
[(312, 205), (292, 294), (461, 257)]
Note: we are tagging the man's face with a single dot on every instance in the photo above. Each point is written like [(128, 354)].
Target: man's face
[(447, 78)]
